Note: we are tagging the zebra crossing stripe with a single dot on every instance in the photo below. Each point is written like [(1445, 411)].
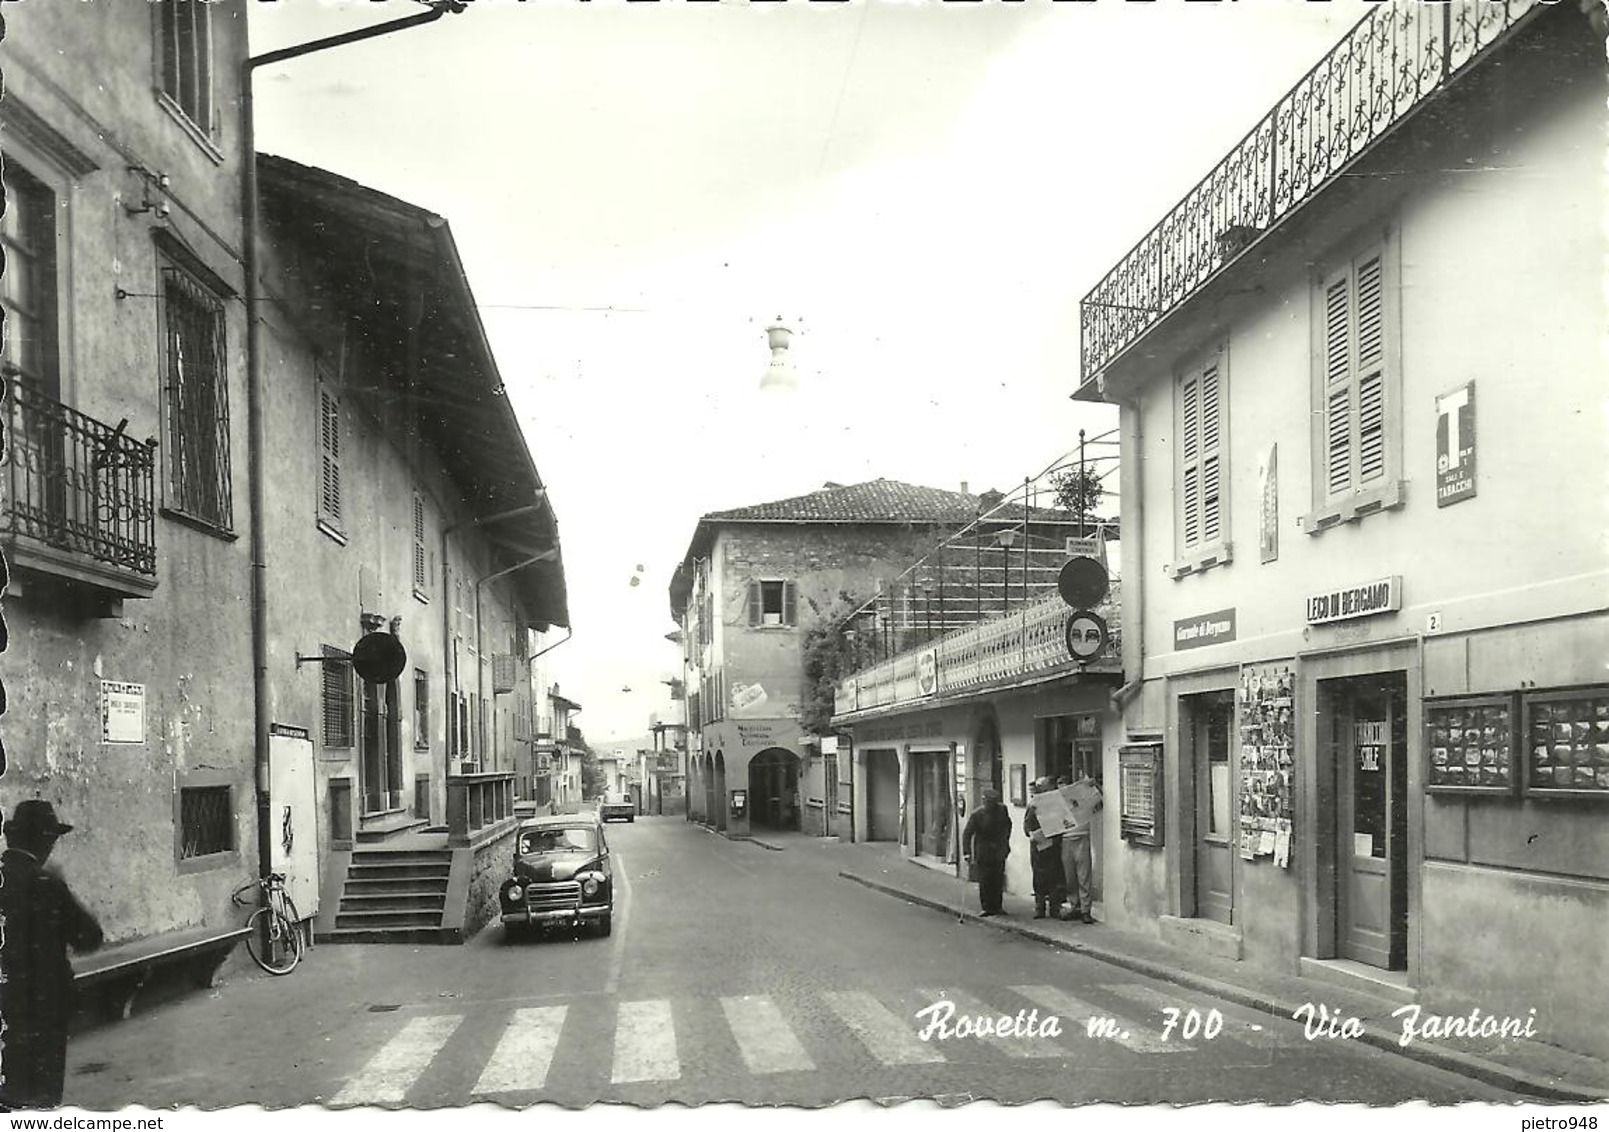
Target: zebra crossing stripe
[(763, 1035), (1076, 1016), (524, 1052), (1009, 1044), (889, 1038), (1237, 1025), (645, 1043), (392, 1071)]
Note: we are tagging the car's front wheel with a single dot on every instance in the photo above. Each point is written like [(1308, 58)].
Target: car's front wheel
[(605, 924)]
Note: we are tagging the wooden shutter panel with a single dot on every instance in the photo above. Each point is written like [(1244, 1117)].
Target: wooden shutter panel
[(1211, 414), (1371, 372), (329, 457), (1338, 373), (755, 603), (1190, 452), (418, 542), (789, 604)]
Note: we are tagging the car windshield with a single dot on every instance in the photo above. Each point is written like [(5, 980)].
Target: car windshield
[(567, 839)]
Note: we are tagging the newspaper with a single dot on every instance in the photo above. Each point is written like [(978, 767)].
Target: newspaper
[(1068, 809)]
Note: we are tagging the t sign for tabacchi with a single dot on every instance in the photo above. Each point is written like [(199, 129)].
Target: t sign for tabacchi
[(1086, 635)]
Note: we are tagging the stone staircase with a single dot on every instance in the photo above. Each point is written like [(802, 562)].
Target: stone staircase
[(395, 893)]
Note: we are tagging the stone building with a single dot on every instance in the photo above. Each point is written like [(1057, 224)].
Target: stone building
[(752, 585)]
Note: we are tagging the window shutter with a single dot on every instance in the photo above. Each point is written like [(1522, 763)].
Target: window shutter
[(790, 604), (419, 574), (1211, 410), (755, 603), (1371, 372), (1337, 386), (329, 500), (1201, 410)]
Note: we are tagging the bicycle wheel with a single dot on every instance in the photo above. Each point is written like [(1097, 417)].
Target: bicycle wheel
[(287, 909), (278, 956)]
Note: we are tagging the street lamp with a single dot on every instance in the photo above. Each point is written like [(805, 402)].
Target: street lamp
[(1005, 538)]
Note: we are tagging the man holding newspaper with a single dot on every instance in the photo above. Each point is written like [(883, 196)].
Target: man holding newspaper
[(1066, 813)]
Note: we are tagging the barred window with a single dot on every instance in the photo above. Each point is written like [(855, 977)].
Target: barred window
[(185, 28), (206, 821), (196, 400), (339, 713)]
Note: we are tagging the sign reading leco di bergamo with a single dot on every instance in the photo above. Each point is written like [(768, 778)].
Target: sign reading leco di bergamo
[(1382, 596)]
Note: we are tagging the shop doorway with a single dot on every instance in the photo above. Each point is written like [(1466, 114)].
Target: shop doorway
[(718, 816), (1363, 722), (1209, 722), (882, 796), (774, 789), (829, 794), (931, 796)]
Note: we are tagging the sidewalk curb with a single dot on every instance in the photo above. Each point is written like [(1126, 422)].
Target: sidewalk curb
[(1463, 1064), (742, 837)]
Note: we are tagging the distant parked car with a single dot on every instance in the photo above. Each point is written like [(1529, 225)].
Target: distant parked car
[(561, 875), (615, 806)]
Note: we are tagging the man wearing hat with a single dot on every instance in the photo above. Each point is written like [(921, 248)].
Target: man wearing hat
[(986, 843), (41, 920)]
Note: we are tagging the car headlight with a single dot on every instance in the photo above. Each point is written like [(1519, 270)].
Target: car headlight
[(513, 893), (591, 886)]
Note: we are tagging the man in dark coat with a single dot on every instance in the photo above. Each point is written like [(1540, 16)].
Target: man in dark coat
[(1050, 884), (42, 920), (986, 843)]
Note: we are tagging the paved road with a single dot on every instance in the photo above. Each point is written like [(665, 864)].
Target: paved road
[(734, 973)]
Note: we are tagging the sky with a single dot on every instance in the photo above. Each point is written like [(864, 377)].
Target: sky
[(922, 191)]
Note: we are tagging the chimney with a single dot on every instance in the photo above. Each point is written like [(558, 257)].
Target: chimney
[(964, 490)]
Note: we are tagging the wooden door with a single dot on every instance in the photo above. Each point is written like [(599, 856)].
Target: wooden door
[(1213, 721), (1372, 850)]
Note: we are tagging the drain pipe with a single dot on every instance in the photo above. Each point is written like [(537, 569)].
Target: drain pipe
[(255, 423)]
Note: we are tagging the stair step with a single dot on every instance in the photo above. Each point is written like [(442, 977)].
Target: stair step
[(393, 901), (403, 856), (416, 918), (367, 870), (393, 935), (396, 884)]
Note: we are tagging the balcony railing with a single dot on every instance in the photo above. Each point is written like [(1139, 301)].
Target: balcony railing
[(79, 488), (1021, 646), (477, 802), (1388, 64)]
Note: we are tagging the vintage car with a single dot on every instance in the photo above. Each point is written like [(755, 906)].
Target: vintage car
[(617, 806), (561, 875)]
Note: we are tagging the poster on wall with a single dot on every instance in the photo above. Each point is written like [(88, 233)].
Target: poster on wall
[(1267, 762), (1268, 504)]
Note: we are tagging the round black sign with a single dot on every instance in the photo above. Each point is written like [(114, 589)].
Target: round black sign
[(1086, 635), (1083, 582), (379, 658)]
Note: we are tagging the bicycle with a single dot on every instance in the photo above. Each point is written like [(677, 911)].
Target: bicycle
[(273, 933)]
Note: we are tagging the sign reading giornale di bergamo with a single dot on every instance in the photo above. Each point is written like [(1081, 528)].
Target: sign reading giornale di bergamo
[(1214, 628), (1383, 595)]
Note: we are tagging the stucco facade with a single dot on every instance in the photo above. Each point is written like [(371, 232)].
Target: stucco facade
[(120, 188), (747, 595), (1364, 635)]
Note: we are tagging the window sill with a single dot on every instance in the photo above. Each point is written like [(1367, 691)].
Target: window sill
[(771, 628), (205, 526), (421, 597), (190, 127), (335, 533), (1218, 554), (208, 862), (1387, 497)]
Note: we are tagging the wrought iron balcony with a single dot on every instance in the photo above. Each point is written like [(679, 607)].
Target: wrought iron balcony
[(80, 495), (1022, 647), (1390, 63)]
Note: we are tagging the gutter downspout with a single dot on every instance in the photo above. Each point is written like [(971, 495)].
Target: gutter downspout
[(255, 424)]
